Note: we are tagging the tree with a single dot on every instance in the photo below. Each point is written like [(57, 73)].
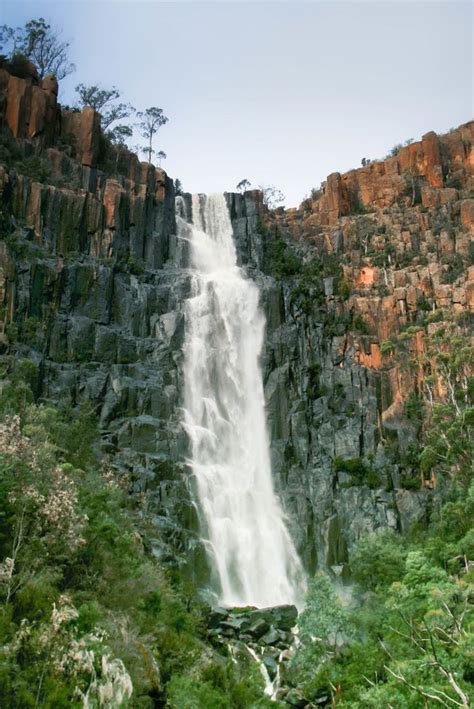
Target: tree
[(243, 185), (103, 101), (119, 134), (378, 560), (150, 121), (42, 45), (272, 196), (323, 617), (11, 38), (178, 188), (161, 155)]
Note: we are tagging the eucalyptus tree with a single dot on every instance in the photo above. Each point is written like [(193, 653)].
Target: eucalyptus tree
[(150, 121), (243, 185), (41, 44)]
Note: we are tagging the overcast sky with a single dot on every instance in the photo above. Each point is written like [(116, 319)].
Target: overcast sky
[(280, 93)]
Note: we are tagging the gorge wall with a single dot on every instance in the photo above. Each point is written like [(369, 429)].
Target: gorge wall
[(354, 283)]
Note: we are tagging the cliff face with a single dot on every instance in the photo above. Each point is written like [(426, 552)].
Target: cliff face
[(93, 280), (343, 364)]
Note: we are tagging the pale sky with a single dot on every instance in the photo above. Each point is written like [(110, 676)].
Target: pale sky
[(280, 93)]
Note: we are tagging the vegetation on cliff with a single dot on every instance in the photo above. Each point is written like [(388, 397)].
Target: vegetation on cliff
[(88, 617), (407, 637)]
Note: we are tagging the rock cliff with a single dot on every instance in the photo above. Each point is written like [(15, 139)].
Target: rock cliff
[(93, 280)]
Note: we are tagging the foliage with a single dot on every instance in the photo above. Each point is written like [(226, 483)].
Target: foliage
[(378, 560), (412, 603), (36, 168), (18, 65), (243, 186), (87, 617), (323, 624), (39, 43), (272, 196), (104, 101), (360, 324), (10, 153), (457, 267), (219, 686), (344, 288), (118, 135), (283, 262), (387, 347), (411, 627), (150, 121), (161, 155), (361, 473)]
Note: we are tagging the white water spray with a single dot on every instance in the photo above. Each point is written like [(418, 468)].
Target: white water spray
[(243, 524)]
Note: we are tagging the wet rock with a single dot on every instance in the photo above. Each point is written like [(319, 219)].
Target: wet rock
[(271, 637), (258, 628), (271, 664)]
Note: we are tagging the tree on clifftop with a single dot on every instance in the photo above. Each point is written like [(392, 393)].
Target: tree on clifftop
[(103, 101), (40, 44), (150, 120), (161, 155), (272, 196), (243, 185)]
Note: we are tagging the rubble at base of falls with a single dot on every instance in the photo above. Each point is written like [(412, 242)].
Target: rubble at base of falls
[(269, 636)]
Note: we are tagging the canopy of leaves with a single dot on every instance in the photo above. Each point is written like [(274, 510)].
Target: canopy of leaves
[(40, 43), (150, 121), (104, 101)]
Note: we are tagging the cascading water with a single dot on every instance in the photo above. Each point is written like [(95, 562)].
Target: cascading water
[(243, 524)]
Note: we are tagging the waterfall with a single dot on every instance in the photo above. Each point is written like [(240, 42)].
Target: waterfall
[(243, 525)]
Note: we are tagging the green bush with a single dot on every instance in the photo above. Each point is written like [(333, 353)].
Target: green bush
[(283, 262), (18, 65), (36, 168), (344, 288), (360, 324)]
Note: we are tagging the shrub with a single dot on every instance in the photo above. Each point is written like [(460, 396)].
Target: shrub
[(18, 65), (387, 347), (343, 288), (283, 262), (378, 560), (36, 168), (360, 324)]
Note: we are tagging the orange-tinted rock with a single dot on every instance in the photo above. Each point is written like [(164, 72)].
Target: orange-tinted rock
[(448, 195), (112, 199), (366, 277), (334, 198), (469, 295), (50, 84), (372, 360), (18, 105), (467, 213), (410, 158), (432, 159), (85, 129), (30, 110), (43, 114)]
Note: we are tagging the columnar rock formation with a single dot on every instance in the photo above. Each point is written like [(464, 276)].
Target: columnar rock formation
[(93, 281)]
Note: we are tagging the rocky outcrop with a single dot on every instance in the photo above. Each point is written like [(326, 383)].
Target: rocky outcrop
[(30, 108), (435, 162)]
